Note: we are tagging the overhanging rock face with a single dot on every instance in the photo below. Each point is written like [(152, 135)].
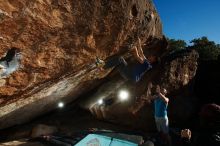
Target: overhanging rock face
[(59, 41)]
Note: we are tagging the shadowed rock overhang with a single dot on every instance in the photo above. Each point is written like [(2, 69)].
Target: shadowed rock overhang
[(59, 42)]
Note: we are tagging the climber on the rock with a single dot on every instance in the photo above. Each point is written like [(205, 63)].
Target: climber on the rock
[(133, 73), (10, 62)]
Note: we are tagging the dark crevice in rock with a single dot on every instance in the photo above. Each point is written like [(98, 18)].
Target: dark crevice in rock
[(10, 55), (134, 11), (10, 62)]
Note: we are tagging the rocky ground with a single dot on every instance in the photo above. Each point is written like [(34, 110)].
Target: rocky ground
[(66, 122)]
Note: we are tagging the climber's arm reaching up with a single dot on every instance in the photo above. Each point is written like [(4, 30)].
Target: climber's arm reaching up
[(140, 50), (137, 55)]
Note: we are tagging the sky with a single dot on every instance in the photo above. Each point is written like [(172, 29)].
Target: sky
[(189, 19)]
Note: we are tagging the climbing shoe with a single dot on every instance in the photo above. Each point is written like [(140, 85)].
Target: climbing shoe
[(99, 63)]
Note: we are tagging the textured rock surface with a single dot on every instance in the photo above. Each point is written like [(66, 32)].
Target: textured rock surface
[(58, 40), (176, 73), (23, 143)]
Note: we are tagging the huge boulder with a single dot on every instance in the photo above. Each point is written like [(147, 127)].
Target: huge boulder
[(59, 41)]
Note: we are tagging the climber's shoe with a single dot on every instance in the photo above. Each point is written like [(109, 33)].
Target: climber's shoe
[(99, 63)]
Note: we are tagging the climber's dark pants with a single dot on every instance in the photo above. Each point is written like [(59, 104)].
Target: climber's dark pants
[(133, 73)]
